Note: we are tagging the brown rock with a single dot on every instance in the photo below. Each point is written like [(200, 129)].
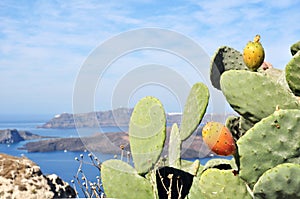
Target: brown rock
[(22, 178)]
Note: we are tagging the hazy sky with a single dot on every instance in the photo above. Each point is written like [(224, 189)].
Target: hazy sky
[(43, 43)]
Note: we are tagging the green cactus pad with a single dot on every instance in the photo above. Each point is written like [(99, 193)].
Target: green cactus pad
[(120, 180), (194, 110), (272, 141), (147, 133), (225, 58), (295, 48), (272, 72), (220, 163), (292, 72), (195, 190), (277, 75), (220, 184), (191, 167), (259, 95), (279, 182), (174, 147)]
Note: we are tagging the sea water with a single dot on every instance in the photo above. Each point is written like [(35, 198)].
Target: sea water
[(62, 163)]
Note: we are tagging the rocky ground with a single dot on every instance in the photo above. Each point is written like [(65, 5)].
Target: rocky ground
[(22, 178)]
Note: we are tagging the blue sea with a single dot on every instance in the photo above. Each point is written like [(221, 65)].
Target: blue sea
[(62, 163)]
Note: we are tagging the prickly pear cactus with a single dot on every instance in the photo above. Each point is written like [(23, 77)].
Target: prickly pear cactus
[(147, 133), (191, 167), (233, 124), (292, 72), (195, 191), (259, 95), (295, 48), (225, 58), (175, 147), (254, 54), (220, 163), (272, 141), (194, 110), (267, 152), (245, 125), (238, 126), (120, 180), (218, 138), (220, 184), (279, 182)]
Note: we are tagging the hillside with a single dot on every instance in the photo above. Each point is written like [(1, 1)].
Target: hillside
[(117, 117)]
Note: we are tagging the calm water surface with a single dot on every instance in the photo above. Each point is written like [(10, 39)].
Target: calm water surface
[(62, 163)]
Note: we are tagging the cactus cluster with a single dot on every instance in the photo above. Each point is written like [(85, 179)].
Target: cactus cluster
[(147, 134), (266, 128), (263, 138)]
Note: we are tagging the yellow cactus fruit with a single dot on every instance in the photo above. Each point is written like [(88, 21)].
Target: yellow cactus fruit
[(254, 54)]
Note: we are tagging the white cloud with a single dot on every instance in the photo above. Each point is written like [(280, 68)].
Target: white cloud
[(43, 41)]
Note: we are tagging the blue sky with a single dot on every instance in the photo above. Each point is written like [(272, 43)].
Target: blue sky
[(44, 43)]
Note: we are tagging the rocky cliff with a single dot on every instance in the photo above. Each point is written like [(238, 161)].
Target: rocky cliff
[(9, 136), (22, 178), (117, 117)]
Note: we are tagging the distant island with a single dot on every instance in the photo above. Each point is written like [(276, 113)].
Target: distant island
[(10, 136), (117, 117), (109, 143)]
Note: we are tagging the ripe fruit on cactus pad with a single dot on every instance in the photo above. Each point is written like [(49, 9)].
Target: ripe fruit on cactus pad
[(254, 54), (218, 138)]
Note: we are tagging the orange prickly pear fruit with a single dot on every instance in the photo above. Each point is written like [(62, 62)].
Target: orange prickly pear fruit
[(218, 138), (254, 54)]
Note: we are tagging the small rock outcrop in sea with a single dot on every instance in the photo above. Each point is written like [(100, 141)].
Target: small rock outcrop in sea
[(9, 136), (22, 178)]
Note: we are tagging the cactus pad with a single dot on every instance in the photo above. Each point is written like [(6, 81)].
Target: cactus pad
[(225, 58), (258, 98), (295, 48), (194, 110), (120, 180), (220, 163), (279, 182), (191, 167), (195, 190), (174, 147), (147, 133), (220, 184), (292, 72), (272, 141)]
